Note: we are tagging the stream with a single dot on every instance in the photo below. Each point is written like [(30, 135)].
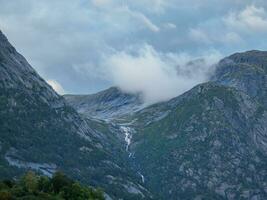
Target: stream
[(128, 139)]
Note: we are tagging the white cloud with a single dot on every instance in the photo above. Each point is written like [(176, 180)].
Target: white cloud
[(158, 76), (199, 35), (251, 19), (232, 37), (213, 36), (65, 39), (170, 26), (230, 29), (155, 6), (143, 19), (56, 86), (101, 3)]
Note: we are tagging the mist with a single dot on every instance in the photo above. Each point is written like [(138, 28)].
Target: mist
[(158, 76)]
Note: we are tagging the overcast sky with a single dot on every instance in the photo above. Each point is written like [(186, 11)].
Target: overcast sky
[(83, 46)]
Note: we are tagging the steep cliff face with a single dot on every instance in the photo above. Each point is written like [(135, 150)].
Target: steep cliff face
[(39, 131)]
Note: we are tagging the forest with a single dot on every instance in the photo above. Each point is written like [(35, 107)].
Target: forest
[(35, 187)]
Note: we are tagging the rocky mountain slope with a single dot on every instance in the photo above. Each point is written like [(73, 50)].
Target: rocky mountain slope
[(246, 72), (39, 131), (208, 143), (106, 105)]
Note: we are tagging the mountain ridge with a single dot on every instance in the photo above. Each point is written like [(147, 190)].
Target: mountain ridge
[(208, 143), (108, 104), (197, 142)]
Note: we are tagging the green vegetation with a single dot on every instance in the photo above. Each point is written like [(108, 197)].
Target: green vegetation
[(198, 139), (35, 187)]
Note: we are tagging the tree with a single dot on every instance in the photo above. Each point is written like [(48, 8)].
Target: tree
[(5, 195), (34, 187), (73, 192), (44, 184), (79, 192), (59, 181), (30, 182)]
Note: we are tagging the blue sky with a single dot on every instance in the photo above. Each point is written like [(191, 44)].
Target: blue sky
[(84, 46)]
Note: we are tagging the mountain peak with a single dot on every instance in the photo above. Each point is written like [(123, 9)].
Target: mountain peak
[(246, 72), (5, 46), (17, 74), (107, 104), (252, 58), (2, 36)]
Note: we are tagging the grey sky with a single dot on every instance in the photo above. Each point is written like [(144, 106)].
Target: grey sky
[(77, 44)]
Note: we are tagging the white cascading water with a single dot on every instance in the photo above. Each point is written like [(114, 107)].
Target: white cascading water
[(142, 177), (128, 139)]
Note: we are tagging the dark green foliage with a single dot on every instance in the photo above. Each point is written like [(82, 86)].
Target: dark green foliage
[(76, 191), (59, 187)]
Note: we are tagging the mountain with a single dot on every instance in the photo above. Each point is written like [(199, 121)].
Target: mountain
[(208, 143), (106, 105), (41, 132), (211, 142), (246, 72)]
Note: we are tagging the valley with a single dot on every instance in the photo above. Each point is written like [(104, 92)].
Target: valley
[(208, 143)]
